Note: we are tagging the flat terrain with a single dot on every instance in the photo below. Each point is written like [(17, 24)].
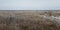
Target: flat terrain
[(29, 20)]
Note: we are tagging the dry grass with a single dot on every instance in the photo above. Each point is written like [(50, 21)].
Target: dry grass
[(27, 21)]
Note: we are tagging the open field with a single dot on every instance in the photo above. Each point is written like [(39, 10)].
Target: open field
[(29, 20)]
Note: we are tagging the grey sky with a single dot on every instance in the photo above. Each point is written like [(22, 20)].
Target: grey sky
[(29, 4)]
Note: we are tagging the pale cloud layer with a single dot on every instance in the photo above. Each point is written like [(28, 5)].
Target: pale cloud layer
[(29, 4)]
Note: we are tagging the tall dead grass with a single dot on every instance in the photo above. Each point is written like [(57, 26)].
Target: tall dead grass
[(27, 21)]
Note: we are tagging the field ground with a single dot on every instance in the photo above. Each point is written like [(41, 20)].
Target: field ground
[(29, 20)]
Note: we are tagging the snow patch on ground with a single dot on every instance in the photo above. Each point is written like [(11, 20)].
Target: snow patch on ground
[(52, 18)]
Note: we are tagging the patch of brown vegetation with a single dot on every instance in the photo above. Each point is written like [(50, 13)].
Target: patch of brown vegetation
[(27, 21)]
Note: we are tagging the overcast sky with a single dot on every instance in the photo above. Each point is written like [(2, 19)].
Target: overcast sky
[(29, 4)]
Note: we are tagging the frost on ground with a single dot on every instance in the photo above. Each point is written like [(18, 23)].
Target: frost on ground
[(29, 21)]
